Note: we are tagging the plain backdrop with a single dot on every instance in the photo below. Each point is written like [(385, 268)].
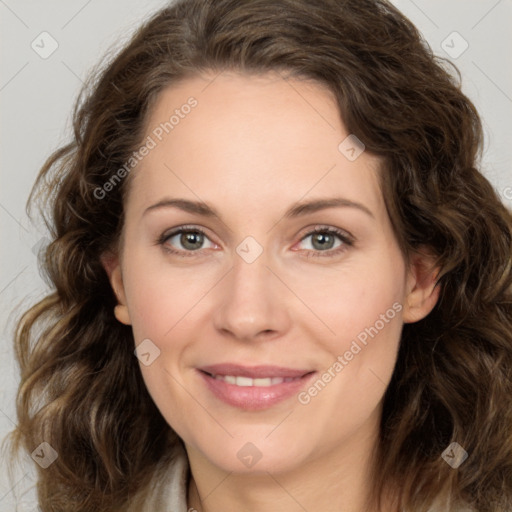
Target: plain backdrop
[(38, 89)]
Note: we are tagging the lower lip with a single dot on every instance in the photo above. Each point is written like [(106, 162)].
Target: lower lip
[(254, 398)]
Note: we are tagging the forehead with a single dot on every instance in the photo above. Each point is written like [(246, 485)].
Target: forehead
[(258, 139)]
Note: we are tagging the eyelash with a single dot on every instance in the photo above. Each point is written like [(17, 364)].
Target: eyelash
[(347, 240)]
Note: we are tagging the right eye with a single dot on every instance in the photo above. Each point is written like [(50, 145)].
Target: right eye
[(185, 240)]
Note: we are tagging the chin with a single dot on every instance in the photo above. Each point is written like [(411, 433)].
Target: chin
[(255, 455)]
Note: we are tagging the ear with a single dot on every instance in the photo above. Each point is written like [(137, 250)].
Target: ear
[(112, 266), (422, 290)]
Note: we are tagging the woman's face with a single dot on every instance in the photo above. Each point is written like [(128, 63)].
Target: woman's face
[(288, 284)]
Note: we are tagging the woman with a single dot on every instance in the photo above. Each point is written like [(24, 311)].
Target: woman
[(280, 281)]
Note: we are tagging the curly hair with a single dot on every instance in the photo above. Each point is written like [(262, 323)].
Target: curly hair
[(81, 387)]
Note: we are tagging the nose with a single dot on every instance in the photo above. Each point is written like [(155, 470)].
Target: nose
[(253, 303)]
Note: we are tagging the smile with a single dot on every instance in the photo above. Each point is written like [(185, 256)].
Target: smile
[(247, 381), (253, 388)]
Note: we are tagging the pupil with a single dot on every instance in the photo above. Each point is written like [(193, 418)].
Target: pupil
[(191, 241), (324, 241)]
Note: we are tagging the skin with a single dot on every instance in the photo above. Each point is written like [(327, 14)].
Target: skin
[(252, 148)]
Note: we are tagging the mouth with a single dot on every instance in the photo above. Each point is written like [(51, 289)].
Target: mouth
[(253, 388), (266, 382)]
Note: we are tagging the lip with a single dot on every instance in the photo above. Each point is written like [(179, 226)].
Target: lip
[(254, 372), (254, 398)]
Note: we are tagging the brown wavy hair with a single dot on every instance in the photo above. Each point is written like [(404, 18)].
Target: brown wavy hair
[(81, 387)]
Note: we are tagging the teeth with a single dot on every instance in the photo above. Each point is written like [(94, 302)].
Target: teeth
[(244, 381), (247, 381)]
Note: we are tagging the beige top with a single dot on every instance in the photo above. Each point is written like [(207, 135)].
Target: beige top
[(171, 494)]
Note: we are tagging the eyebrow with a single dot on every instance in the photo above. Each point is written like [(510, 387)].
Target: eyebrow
[(297, 210)]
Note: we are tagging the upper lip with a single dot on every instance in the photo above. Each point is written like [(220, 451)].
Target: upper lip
[(254, 372)]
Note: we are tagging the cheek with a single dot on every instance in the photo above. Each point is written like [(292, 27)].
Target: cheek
[(355, 296), (361, 310), (162, 305), (160, 297)]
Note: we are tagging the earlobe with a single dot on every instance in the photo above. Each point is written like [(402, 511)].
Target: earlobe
[(112, 267), (423, 289), (122, 314)]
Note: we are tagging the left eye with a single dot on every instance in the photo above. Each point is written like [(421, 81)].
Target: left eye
[(324, 240)]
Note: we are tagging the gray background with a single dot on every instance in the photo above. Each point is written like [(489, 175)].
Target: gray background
[(37, 95)]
